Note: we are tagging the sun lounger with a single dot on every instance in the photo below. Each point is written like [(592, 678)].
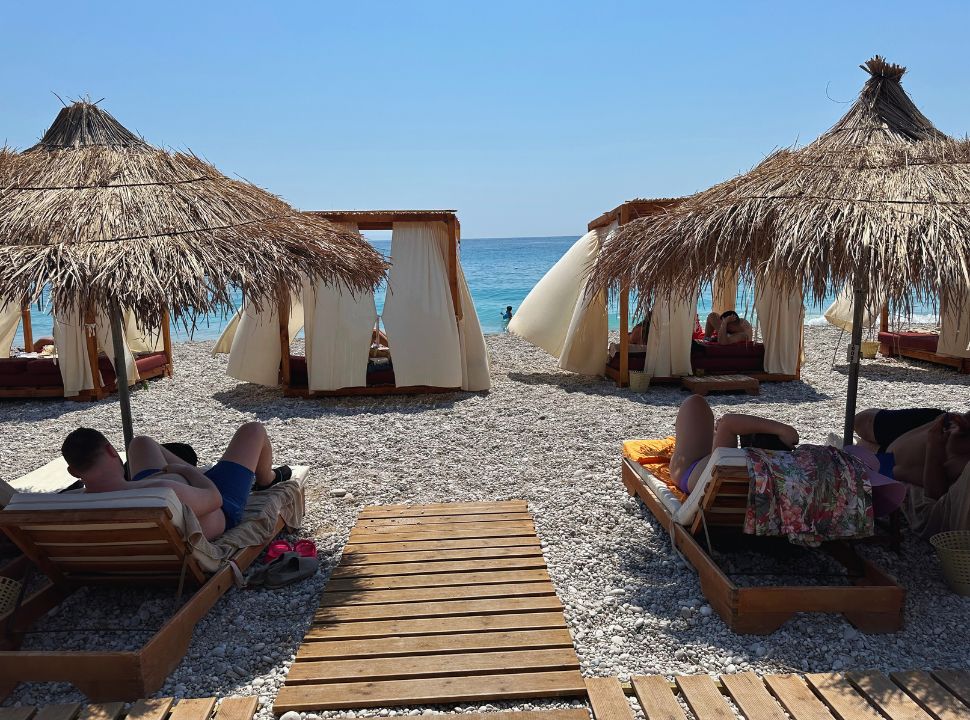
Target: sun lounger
[(919, 346), (137, 537), (874, 603)]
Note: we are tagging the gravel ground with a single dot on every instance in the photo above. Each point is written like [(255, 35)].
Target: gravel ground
[(540, 434)]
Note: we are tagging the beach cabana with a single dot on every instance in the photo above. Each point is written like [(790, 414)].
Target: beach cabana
[(568, 321), (82, 367), (434, 342), (878, 203), (101, 223)]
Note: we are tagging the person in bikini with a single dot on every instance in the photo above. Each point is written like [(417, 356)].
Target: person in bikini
[(698, 435), (217, 496), (929, 450)]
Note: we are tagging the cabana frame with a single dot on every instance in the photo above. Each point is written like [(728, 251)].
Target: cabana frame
[(376, 220), (98, 391), (627, 212)]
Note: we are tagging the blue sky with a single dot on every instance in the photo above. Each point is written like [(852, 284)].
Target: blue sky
[(529, 118)]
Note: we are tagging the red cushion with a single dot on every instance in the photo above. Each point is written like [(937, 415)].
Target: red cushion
[(154, 360), (742, 349), (29, 380), (44, 366), (9, 366), (911, 340), (298, 374)]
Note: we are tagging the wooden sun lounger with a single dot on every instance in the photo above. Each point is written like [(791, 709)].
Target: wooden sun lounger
[(874, 604), (74, 548)]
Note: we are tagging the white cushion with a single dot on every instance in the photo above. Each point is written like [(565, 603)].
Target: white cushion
[(663, 492), (134, 498)]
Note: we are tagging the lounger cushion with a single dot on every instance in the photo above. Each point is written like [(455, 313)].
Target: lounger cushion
[(144, 363), (654, 455), (925, 341), (123, 499)]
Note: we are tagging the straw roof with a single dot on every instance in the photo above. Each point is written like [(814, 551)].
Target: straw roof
[(100, 216), (882, 195)]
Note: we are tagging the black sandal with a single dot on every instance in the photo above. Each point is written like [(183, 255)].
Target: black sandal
[(280, 474)]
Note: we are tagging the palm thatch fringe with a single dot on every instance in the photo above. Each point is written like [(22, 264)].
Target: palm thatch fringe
[(882, 195), (103, 218)]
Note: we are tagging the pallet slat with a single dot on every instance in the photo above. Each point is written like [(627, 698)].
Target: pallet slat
[(357, 558), (444, 566), (152, 709), (841, 698), (449, 544), (930, 695), (796, 697), (656, 698), (193, 709), (435, 626), (703, 698), (956, 681), (607, 699), (442, 580), (432, 594), (402, 611), (102, 711), (17, 713), (65, 711), (751, 697), (460, 508), (237, 708), (887, 696), (446, 519)]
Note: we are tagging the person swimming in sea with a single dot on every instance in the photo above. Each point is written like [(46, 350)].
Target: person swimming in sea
[(507, 315)]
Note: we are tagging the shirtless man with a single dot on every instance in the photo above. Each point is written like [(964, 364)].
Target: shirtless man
[(729, 327), (929, 450), (217, 496)]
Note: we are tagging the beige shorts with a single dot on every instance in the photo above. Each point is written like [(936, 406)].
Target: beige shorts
[(950, 512)]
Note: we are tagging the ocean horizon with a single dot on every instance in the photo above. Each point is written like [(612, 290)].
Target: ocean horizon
[(499, 271)]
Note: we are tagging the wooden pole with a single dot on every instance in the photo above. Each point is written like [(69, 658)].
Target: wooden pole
[(91, 338), (855, 349), (284, 321), (121, 371), (884, 318), (28, 328), (624, 380), (453, 235), (167, 341)]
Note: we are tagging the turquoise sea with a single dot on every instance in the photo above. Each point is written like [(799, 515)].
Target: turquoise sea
[(500, 272)]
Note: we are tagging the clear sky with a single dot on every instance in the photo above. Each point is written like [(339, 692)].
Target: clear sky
[(529, 118)]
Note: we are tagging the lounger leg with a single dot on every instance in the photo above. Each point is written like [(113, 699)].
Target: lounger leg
[(875, 623)]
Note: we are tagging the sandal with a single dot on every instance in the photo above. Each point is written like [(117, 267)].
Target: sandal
[(277, 548), (289, 568), (305, 548)]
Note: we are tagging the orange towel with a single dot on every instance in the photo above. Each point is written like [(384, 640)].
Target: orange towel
[(654, 455)]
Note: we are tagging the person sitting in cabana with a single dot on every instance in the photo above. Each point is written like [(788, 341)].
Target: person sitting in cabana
[(727, 328), (929, 450), (217, 496)]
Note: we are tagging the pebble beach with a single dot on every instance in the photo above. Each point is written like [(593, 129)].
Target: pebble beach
[(543, 435)]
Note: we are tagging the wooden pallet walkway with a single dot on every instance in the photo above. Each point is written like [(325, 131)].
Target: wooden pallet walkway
[(438, 603), (231, 708), (856, 695)]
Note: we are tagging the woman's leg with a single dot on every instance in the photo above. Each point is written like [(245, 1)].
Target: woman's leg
[(694, 430)]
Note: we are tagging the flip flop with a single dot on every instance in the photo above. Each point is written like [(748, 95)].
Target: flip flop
[(305, 548), (290, 568), (277, 548)]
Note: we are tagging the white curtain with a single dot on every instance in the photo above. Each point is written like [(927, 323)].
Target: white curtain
[(474, 354), (224, 343), (419, 315), (339, 326), (840, 312), (254, 351), (142, 339), (558, 317), (669, 339), (724, 291), (106, 345), (781, 317), (955, 329), (9, 322), (70, 339)]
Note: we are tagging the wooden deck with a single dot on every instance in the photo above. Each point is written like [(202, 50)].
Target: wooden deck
[(912, 695), (231, 708), (436, 604)]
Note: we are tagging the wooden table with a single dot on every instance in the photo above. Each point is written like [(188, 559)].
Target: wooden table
[(703, 384)]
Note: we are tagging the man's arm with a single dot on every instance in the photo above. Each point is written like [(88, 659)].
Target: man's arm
[(198, 492), (730, 426)]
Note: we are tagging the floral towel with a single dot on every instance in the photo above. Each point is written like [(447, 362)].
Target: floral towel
[(812, 494)]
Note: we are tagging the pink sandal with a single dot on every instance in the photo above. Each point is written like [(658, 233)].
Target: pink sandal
[(305, 548), (277, 548)]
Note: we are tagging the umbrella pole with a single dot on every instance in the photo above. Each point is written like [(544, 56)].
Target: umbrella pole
[(121, 372), (855, 353)]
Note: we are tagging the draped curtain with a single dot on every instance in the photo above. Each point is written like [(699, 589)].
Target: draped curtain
[(724, 291), (254, 342), (9, 322), (669, 340), (419, 315), (781, 317), (955, 329)]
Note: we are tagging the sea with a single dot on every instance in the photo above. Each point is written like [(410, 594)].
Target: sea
[(500, 272)]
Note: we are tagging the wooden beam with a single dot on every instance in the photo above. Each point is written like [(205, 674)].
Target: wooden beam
[(453, 235), (884, 319), (167, 340), (28, 328), (284, 324), (624, 379)]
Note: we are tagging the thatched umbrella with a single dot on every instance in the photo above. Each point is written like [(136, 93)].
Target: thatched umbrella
[(880, 202), (105, 220)]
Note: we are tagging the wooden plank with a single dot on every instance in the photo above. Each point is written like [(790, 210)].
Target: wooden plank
[(237, 708), (193, 709), (443, 580), (17, 713), (477, 663), (440, 532), (358, 558), (795, 696), (841, 698), (442, 566), (418, 645), (400, 611), (480, 688), (431, 594), (656, 698), (703, 698), (555, 714), (415, 545), (431, 520), (956, 681), (448, 508), (751, 697), (887, 696), (66, 711), (435, 626), (152, 709), (930, 695), (102, 711), (607, 699)]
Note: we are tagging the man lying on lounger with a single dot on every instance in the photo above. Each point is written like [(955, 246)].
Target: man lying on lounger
[(217, 496), (928, 449), (727, 328)]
